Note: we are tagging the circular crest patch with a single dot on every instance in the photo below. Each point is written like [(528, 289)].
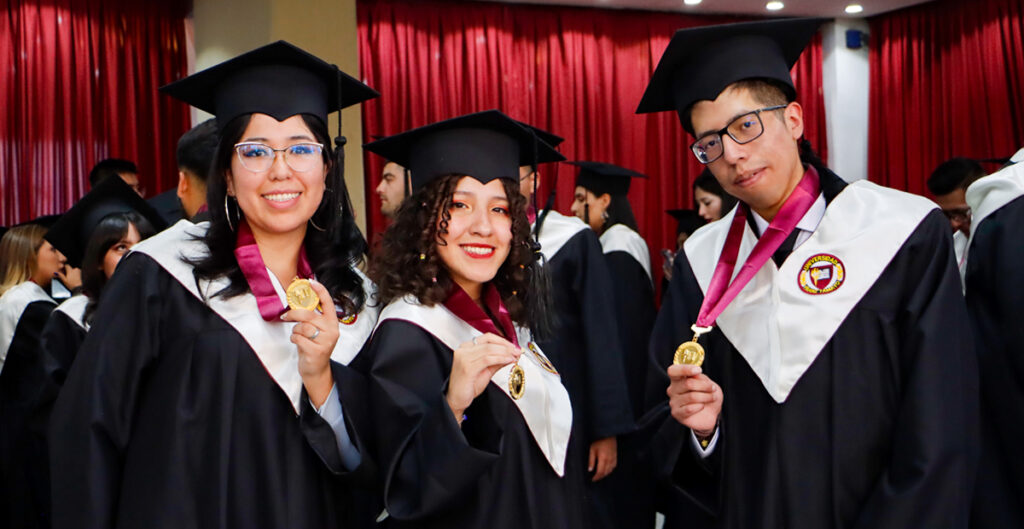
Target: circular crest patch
[(821, 274)]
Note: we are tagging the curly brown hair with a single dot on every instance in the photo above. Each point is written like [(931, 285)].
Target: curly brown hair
[(407, 262)]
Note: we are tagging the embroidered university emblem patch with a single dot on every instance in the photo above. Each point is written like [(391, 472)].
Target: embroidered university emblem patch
[(821, 274)]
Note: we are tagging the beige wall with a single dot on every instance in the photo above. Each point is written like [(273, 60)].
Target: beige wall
[(325, 28)]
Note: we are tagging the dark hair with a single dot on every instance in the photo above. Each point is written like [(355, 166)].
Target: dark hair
[(619, 212), (110, 230), (953, 174), (332, 253), (197, 148), (767, 92), (399, 270), (708, 183), (110, 167)]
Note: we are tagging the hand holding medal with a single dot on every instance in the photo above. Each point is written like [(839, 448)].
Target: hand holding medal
[(315, 334), (474, 364), (694, 399)]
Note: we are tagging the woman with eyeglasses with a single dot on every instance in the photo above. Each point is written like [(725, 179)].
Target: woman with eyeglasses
[(212, 389)]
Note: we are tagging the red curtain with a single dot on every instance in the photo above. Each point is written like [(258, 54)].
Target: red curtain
[(79, 85), (577, 72), (947, 80)]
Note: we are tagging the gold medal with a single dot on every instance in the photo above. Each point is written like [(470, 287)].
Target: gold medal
[(691, 353), (516, 382), (302, 296)]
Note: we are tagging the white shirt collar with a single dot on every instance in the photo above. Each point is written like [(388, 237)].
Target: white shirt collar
[(808, 223)]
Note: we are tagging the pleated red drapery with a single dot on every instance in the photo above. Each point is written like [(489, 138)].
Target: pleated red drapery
[(947, 79), (577, 72), (79, 85)]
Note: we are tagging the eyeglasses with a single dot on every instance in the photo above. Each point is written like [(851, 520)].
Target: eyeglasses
[(301, 157), (743, 129), (958, 214)]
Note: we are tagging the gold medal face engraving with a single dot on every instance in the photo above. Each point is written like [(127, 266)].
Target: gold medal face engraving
[(689, 353), (516, 382), (302, 296)]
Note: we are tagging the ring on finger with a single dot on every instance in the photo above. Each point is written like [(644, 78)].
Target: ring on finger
[(474, 340), (316, 333)]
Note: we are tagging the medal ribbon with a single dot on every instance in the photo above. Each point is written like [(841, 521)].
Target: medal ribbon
[(468, 311), (247, 253), (720, 292)]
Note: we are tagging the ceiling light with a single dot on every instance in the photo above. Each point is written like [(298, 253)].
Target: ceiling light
[(774, 6), (692, 2), (853, 9)]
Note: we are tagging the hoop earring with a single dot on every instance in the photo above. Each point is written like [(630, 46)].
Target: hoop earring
[(227, 213), (318, 228)]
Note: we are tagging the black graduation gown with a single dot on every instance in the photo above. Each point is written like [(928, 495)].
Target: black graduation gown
[(22, 494), (634, 313), (58, 344), (585, 345), (169, 419), (488, 474), (626, 493), (878, 432), (995, 299)]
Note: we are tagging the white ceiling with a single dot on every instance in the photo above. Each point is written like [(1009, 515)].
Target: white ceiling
[(821, 8)]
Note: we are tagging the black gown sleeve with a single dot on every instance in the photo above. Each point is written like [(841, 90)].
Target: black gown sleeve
[(634, 302), (91, 421), (352, 391), (687, 483), (934, 447), (995, 301), (428, 463), (609, 409), (24, 498)]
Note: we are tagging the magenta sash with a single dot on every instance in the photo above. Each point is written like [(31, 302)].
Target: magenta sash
[(247, 253), (720, 291)]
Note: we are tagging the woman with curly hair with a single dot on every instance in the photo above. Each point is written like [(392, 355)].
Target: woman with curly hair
[(211, 390), (472, 421)]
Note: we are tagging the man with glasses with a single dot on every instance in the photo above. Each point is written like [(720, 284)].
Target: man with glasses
[(948, 184), (813, 344)]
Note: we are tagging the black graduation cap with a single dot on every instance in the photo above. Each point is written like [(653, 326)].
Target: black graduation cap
[(701, 62), (279, 79), (687, 220), (485, 145), (600, 178), (71, 233), (46, 221), (549, 138)]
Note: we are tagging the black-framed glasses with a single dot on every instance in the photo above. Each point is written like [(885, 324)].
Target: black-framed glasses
[(958, 214), (258, 157), (743, 129)]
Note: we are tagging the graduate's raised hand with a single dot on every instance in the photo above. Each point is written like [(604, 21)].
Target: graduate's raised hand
[(694, 399), (315, 334), (473, 365)]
